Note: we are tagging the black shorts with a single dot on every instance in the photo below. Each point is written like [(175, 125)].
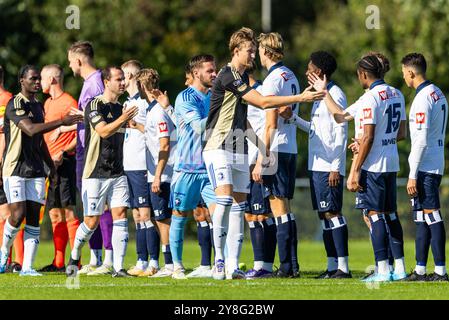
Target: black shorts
[(62, 191), (159, 202), (428, 185), (379, 191), (325, 198), (258, 199), (282, 183)]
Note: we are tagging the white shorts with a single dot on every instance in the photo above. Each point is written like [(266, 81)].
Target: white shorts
[(97, 192), (224, 167), (18, 189)]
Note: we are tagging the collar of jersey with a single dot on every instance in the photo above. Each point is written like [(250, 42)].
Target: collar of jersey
[(274, 67), (423, 85), (330, 85), (199, 92), (134, 97), (92, 74), (151, 105), (26, 99), (376, 83), (257, 84)]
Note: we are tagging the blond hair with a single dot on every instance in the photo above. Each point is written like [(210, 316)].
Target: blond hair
[(149, 78), (239, 37), (273, 44), (133, 66), (83, 48), (55, 71)]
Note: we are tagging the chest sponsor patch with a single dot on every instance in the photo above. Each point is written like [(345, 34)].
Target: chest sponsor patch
[(420, 117)]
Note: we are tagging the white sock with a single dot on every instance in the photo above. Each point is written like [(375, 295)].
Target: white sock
[(177, 265), (83, 234), (154, 264), (96, 257), (220, 222), (343, 264), (440, 270), (376, 269), (332, 264), (169, 266), (141, 264), (119, 242), (258, 265), (383, 267), (421, 270), (108, 257), (399, 265), (9, 235), (30, 245), (268, 266), (234, 239)]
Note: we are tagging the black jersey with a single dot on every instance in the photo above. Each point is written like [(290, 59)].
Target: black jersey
[(226, 122), (23, 155), (103, 157)]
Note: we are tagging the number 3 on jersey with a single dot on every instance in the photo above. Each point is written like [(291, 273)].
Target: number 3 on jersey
[(394, 117)]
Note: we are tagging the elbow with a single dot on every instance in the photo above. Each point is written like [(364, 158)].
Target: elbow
[(368, 140)]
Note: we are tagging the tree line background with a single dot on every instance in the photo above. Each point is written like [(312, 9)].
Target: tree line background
[(165, 34)]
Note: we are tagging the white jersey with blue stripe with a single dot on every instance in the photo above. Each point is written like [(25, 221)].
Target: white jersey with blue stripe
[(429, 112), (281, 81), (134, 143), (191, 106)]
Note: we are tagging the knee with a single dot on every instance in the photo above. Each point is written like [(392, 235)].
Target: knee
[(55, 216), (331, 215), (250, 217), (261, 217), (92, 222)]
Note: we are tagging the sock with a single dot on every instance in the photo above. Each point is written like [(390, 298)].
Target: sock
[(256, 232), (119, 242), (395, 235), (421, 270), (106, 227), (440, 270), (438, 237), (204, 240), (83, 234), (154, 263), (220, 220), (167, 254), (60, 239), (176, 236), (294, 242), (270, 243), (399, 265), (141, 242), (379, 237), (142, 265), (96, 245), (2, 226), (9, 234), (30, 243), (340, 236), (108, 257), (71, 228), (329, 246), (19, 247), (382, 267), (234, 239), (284, 243), (422, 241), (153, 240)]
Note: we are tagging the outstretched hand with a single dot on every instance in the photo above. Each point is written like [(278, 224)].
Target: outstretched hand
[(160, 97), (316, 82)]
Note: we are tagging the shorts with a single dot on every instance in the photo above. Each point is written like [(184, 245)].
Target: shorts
[(258, 199), (139, 192), (18, 189), (379, 191), (282, 183), (325, 198), (96, 192), (159, 203), (62, 191), (428, 185), (188, 189), (224, 167)]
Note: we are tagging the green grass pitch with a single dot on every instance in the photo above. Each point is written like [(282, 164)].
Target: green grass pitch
[(312, 261)]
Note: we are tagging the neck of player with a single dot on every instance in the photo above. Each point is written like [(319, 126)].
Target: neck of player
[(236, 65), (109, 96), (29, 95), (269, 64), (198, 86), (132, 89), (55, 91), (419, 80), (87, 71)]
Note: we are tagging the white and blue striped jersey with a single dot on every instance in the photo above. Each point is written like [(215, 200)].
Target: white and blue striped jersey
[(428, 114), (191, 106), (281, 81)]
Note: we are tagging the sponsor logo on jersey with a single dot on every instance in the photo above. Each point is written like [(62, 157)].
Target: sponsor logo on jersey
[(367, 113), (287, 75), (435, 96), (30, 115), (20, 112), (387, 94), (163, 127), (110, 115), (420, 117)]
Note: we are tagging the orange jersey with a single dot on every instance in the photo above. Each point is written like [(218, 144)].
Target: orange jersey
[(5, 96), (55, 109)]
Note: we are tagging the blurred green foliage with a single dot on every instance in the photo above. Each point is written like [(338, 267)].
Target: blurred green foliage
[(165, 34)]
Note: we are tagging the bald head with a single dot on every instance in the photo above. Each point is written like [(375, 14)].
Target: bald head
[(51, 74)]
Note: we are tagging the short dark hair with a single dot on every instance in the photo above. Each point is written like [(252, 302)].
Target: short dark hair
[(372, 65), (84, 48), (416, 61), (24, 70), (196, 61), (106, 72), (2, 74), (187, 69), (325, 61)]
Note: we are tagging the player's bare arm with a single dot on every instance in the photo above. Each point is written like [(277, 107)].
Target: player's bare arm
[(366, 143), (164, 152)]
